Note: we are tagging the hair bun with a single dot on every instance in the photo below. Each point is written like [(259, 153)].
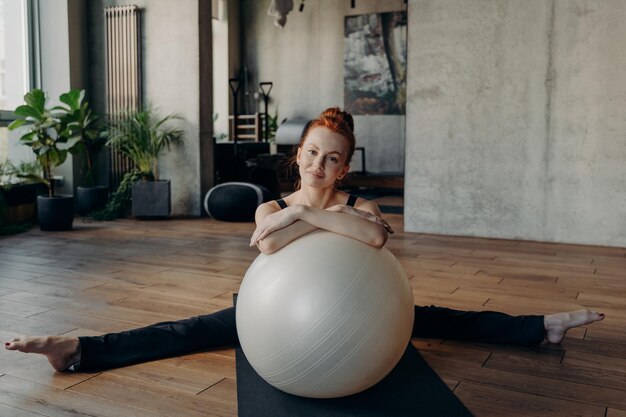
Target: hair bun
[(339, 116)]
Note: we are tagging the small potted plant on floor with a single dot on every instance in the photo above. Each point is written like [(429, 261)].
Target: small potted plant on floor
[(84, 124), (143, 136), (51, 140)]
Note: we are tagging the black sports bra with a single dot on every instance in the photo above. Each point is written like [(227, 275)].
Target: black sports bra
[(351, 200)]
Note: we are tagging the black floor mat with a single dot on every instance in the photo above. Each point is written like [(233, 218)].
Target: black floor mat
[(411, 389)]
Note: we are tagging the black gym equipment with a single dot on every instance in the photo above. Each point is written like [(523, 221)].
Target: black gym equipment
[(235, 201), (266, 100), (234, 88)]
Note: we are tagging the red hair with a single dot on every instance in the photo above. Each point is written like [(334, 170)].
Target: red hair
[(335, 119)]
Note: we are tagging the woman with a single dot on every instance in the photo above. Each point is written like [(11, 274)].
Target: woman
[(323, 157)]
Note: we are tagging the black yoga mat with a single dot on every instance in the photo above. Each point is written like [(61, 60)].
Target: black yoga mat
[(411, 389)]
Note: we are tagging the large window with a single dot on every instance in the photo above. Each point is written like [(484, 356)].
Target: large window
[(17, 69)]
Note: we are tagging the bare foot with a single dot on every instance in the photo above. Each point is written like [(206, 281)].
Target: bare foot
[(558, 324), (61, 351)]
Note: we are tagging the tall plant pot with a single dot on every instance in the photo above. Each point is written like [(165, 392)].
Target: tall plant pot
[(55, 213), (151, 199), (90, 199)]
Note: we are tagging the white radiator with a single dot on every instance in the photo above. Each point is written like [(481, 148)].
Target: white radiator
[(123, 74)]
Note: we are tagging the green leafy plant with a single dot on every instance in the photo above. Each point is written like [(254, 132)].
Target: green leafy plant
[(23, 173), (49, 133), (6, 174), (85, 125), (273, 125), (118, 202), (143, 136)]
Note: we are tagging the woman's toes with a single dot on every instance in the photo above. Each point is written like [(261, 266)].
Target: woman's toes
[(13, 344), (558, 324)]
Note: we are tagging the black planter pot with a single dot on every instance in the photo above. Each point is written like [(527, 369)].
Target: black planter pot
[(90, 199), (151, 199), (55, 213)]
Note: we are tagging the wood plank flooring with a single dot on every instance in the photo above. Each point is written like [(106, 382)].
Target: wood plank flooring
[(104, 277)]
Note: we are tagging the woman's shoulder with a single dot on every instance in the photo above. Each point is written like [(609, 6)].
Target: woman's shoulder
[(357, 202), (265, 209), (343, 197), (272, 205), (278, 204), (367, 205)]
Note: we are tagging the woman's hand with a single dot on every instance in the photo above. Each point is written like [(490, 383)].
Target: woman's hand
[(344, 208), (274, 222)]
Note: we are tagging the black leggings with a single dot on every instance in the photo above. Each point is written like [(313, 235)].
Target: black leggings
[(173, 338)]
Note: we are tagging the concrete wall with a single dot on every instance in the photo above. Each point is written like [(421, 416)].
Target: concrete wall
[(515, 122), (171, 83), (304, 60)]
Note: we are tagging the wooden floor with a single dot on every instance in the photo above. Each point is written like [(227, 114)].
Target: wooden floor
[(105, 277)]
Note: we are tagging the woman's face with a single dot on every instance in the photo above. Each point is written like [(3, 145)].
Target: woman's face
[(322, 158)]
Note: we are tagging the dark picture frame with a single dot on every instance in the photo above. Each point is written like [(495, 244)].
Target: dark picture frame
[(375, 63)]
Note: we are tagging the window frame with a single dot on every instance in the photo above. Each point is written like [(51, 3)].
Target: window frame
[(6, 117), (32, 56)]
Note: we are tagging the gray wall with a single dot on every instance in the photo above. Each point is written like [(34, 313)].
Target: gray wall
[(171, 83), (515, 120), (304, 60)]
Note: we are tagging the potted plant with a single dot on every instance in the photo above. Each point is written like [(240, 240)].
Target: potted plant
[(90, 130), (143, 136), (19, 187), (51, 140)]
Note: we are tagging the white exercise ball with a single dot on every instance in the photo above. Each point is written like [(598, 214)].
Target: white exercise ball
[(324, 317)]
